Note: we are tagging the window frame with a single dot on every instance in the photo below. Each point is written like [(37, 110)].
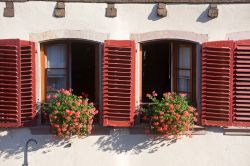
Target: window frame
[(176, 46), (44, 65), (67, 65), (67, 43)]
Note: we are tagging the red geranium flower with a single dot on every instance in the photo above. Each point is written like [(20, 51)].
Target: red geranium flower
[(171, 106), (161, 113)]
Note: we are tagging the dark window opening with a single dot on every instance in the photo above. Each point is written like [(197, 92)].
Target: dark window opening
[(156, 68), (83, 69)]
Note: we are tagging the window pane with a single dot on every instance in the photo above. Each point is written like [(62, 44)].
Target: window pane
[(183, 81), (56, 56), (184, 73), (184, 57), (56, 79), (183, 85)]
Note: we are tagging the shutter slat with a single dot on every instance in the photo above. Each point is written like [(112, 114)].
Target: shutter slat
[(217, 65), (125, 114), (243, 57), (241, 109), (217, 114), (222, 73), (241, 62), (216, 83), (216, 109), (118, 83), (117, 72), (214, 61), (242, 97), (207, 105), (115, 100), (242, 53), (246, 119), (221, 81), (242, 113), (214, 118), (116, 105), (118, 109)]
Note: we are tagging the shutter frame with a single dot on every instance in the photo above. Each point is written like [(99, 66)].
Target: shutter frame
[(217, 58), (17, 112), (241, 107), (118, 66)]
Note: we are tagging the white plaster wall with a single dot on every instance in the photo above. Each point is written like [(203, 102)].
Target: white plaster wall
[(34, 17), (35, 21), (121, 149)]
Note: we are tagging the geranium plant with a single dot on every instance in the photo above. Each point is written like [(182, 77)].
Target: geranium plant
[(171, 116), (69, 114)]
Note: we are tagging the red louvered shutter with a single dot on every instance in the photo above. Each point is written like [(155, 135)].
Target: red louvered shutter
[(217, 83), (9, 83), (119, 83), (17, 91), (241, 109), (28, 103)]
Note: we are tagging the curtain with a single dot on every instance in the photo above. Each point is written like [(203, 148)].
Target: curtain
[(184, 69), (56, 67)]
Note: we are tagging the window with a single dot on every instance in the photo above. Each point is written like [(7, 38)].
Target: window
[(70, 64), (184, 73), (57, 68), (184, 70), (168, 66), (156, 68)]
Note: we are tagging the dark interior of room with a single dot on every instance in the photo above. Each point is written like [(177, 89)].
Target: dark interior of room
[(83, 69), (156, 68)]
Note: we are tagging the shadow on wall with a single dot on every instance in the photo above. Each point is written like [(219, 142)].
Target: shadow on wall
[(153, 14), (203, 18), (122, 143), (12, 142)]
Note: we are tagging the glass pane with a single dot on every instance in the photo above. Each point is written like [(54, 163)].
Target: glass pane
[(56, 79), (184, 73), (184, 57), (183, 84), (56, 56)]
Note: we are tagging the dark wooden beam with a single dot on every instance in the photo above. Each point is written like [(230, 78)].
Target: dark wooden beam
[(145, 1)]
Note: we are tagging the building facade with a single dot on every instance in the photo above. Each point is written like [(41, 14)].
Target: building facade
[(118, 52)]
